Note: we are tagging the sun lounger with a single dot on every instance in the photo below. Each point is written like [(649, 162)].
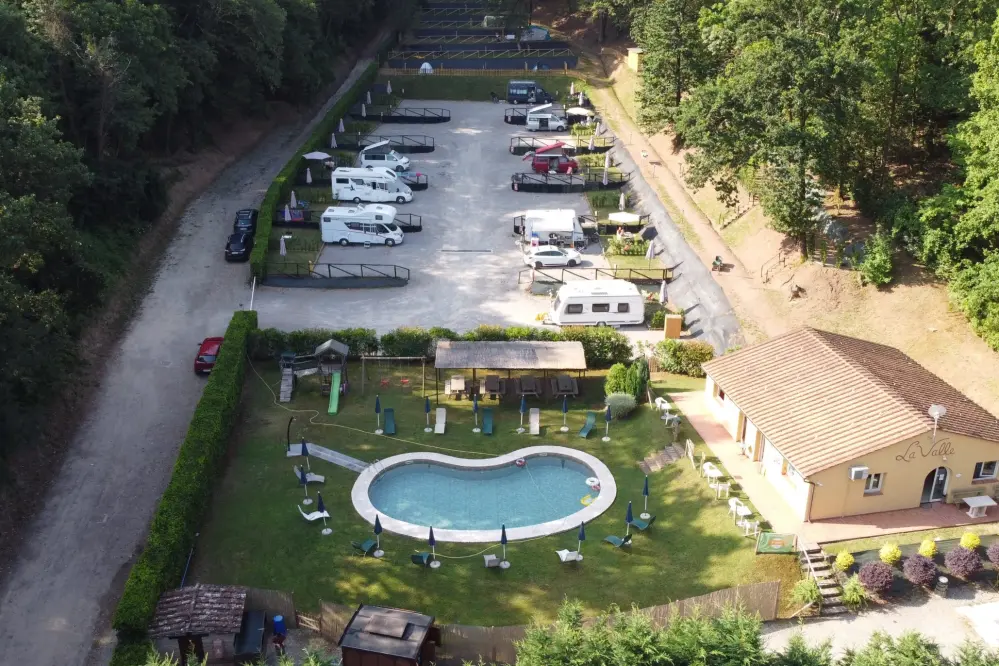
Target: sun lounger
[(366, 548), (389, 421), (591, 420), (420, 559), (569, 556), (491, 561), (309, 476), (487, 420), (441, 421), (315, 515), (642, 525), (617, 541), (535, 421)]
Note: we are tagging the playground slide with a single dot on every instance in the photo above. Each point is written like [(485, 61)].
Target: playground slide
[(335, 393)]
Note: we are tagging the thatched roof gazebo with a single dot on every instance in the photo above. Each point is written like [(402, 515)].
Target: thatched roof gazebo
[(188, 614)]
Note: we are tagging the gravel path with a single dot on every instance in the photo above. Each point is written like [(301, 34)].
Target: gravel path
[(56, 605)]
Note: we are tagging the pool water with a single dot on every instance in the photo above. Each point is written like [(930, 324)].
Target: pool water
[(545, 489)]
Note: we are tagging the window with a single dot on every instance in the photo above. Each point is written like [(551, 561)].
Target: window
[(355, 226), (622, 307), (985, 470), (342, 181), (601, 307), (873, 483), (721, 393), (574, 308)]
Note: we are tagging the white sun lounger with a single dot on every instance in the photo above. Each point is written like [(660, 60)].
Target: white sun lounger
[(440, 421), (535, 421), (569, 556), (315, 515), (310, 477)]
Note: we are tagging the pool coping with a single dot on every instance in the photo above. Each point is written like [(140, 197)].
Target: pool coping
[(364, 507)]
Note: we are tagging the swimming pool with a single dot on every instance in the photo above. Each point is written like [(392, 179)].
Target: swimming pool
[(468, 500)]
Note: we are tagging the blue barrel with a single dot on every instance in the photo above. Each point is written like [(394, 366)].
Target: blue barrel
[(279, 628)]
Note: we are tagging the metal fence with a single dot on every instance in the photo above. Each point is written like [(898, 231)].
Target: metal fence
[(646, 276), (475, 66), (472, 71), (475, 43), (521, 145), (408, 114), (432, 54)]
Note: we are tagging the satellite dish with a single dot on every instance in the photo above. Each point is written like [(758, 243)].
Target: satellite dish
[(937, 412)]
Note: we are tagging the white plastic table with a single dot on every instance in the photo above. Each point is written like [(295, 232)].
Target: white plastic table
[(978, 505)]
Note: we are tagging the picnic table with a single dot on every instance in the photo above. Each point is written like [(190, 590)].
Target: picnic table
[(564, 385), (978, 505), (528, 386)]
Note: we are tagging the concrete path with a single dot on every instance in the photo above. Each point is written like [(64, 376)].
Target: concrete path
[(57, 602), (329, 455)]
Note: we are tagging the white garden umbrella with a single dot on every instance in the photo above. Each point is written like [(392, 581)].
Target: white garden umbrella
[(606, 161), (287, 214), (605, 177), (650, 253), (597, 131), (581, 98), (316, 155), (308, 176), (364, 112), (333, 140), (284, 247), (621, 202), (388, 88), (572, 88), (662, 293), (340, 127), (367, 97), (294, 200), (592, 143)]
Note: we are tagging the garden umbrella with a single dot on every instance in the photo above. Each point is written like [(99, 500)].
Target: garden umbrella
[(426, 408), (645, 494), (287, 214), (581, 98), (433, 543), (305, 454), (582, 538), (650, 253), (621, 202), (308, 176), (321, 508), (607, 420), (604, 180), (662, 293), (340, 127), (523, 409), (304, 480), (364, 111), (606, 161), (283, 248), (593, 143), (378, 533), (388, 88), (475, 410), (378, 414), (627, 519), (367, 97), (572, 88), (565, 410), (333, 140), (598, 129), (503, 540), (294, 200)]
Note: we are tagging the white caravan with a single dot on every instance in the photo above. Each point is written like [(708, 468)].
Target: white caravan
[(373, 225), (558, 226), (544, 118), (375, 185), (380, 155), (597, 303)]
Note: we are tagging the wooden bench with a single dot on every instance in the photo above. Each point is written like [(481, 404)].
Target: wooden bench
[(958, 495)]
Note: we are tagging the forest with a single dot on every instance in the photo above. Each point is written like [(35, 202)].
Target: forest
[(92, 92), (890, 104)]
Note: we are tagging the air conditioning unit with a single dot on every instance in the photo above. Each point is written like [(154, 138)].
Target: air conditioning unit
[(858, 473)]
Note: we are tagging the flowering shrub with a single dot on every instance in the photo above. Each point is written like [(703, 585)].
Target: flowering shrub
[(876, 577), (843, 561), (928, 548), (920, 570), (992, 552), (970, 540), (962, 562), (890, 554)]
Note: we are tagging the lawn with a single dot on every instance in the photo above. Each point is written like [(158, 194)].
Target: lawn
[(255, 537), (474, 88)]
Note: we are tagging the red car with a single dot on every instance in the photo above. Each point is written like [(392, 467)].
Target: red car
[(207, 353), (557, 163)]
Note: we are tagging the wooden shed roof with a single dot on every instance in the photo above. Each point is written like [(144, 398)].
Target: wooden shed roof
[(388, 631), (199, 610)]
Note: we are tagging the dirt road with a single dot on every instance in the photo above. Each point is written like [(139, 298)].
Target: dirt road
[(56, 605)]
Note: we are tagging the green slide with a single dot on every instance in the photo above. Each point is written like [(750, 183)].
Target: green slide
[(335, 393)]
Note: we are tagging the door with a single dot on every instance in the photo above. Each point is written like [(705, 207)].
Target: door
[(543, 123), (935, 485)]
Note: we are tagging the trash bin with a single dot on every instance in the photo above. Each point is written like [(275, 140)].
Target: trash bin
[(941, 588), (279, 627)]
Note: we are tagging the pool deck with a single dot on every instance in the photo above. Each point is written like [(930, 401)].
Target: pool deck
[(608, 492)]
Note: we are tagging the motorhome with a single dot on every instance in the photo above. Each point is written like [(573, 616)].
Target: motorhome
[(526, 92), (544, 117), (371, 225), (369, 184), (597, 303), (380, 155), (558, 226)]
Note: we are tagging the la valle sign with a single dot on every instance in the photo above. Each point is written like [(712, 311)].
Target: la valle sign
[(937, 449)]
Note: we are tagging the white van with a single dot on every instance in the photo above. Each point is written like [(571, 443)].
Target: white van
[(373, 225), (376, 185), (597, 303), (380, 155), (558, 226), (544, 118)]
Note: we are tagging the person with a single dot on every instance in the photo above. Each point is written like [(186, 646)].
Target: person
[(493, 97), (620, 233)]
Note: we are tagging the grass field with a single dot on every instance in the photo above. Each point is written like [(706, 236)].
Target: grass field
[(255, 537), (474, 88)]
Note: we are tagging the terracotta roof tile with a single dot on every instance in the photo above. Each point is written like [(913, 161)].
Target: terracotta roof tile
[(824, 399)]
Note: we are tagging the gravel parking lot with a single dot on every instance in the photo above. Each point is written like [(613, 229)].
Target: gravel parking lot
[(464, 264)]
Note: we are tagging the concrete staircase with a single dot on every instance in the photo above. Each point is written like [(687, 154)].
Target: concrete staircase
[(653, 463), (815, 562), (287, 384)]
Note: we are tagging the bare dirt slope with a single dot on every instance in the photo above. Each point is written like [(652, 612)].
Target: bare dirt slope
[(55, 606)]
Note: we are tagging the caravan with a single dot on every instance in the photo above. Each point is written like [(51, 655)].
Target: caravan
[(374, 225), (545, 118), (380, 155), (375, 184), (558, 226), (597, 303)]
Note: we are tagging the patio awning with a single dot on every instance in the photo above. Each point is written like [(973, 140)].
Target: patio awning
[(199, 610), (527, 355)]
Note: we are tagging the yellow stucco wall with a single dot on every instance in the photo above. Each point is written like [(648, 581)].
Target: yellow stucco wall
[(725, 410), (905, 465)]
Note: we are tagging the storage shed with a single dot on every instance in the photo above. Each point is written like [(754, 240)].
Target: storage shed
[(379, 636)]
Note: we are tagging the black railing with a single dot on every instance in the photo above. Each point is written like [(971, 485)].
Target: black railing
[(526, 52), (304, 271), (416, 181), (400, 143), (409, 222), (592, 179), (521, 145), (406, 114), (648, 276)]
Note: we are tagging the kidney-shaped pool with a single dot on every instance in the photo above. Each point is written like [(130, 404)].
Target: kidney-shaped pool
[(533, 491)]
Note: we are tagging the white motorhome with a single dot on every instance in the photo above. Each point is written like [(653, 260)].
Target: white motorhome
[(376, 185), (558, 226), (597, 303), (380, 155), (544, 118), (373, 225)]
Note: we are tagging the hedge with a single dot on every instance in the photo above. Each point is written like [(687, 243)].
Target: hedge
[(280, 188), (602, 346), (684, 358), (182, 506)]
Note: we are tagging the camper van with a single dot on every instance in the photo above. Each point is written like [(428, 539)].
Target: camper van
[(373, 225), (375, 184), (526, 92), (558, 226), (597, 303), (380, 155), (544, 118)]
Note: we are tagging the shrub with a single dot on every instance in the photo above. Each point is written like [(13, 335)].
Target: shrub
[(844, 560), (970, 540), (182, 506), (928, 548), (992, 552), (617, 379), (267, 344), (621, 404), (684, 358), (876, 577), (638, 378), (962, 562), (627, 247), (920, 570), (657, 321), (890, 554), (806, 591), (406, 341), (603, 346), (876, 267), (854, 593)]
